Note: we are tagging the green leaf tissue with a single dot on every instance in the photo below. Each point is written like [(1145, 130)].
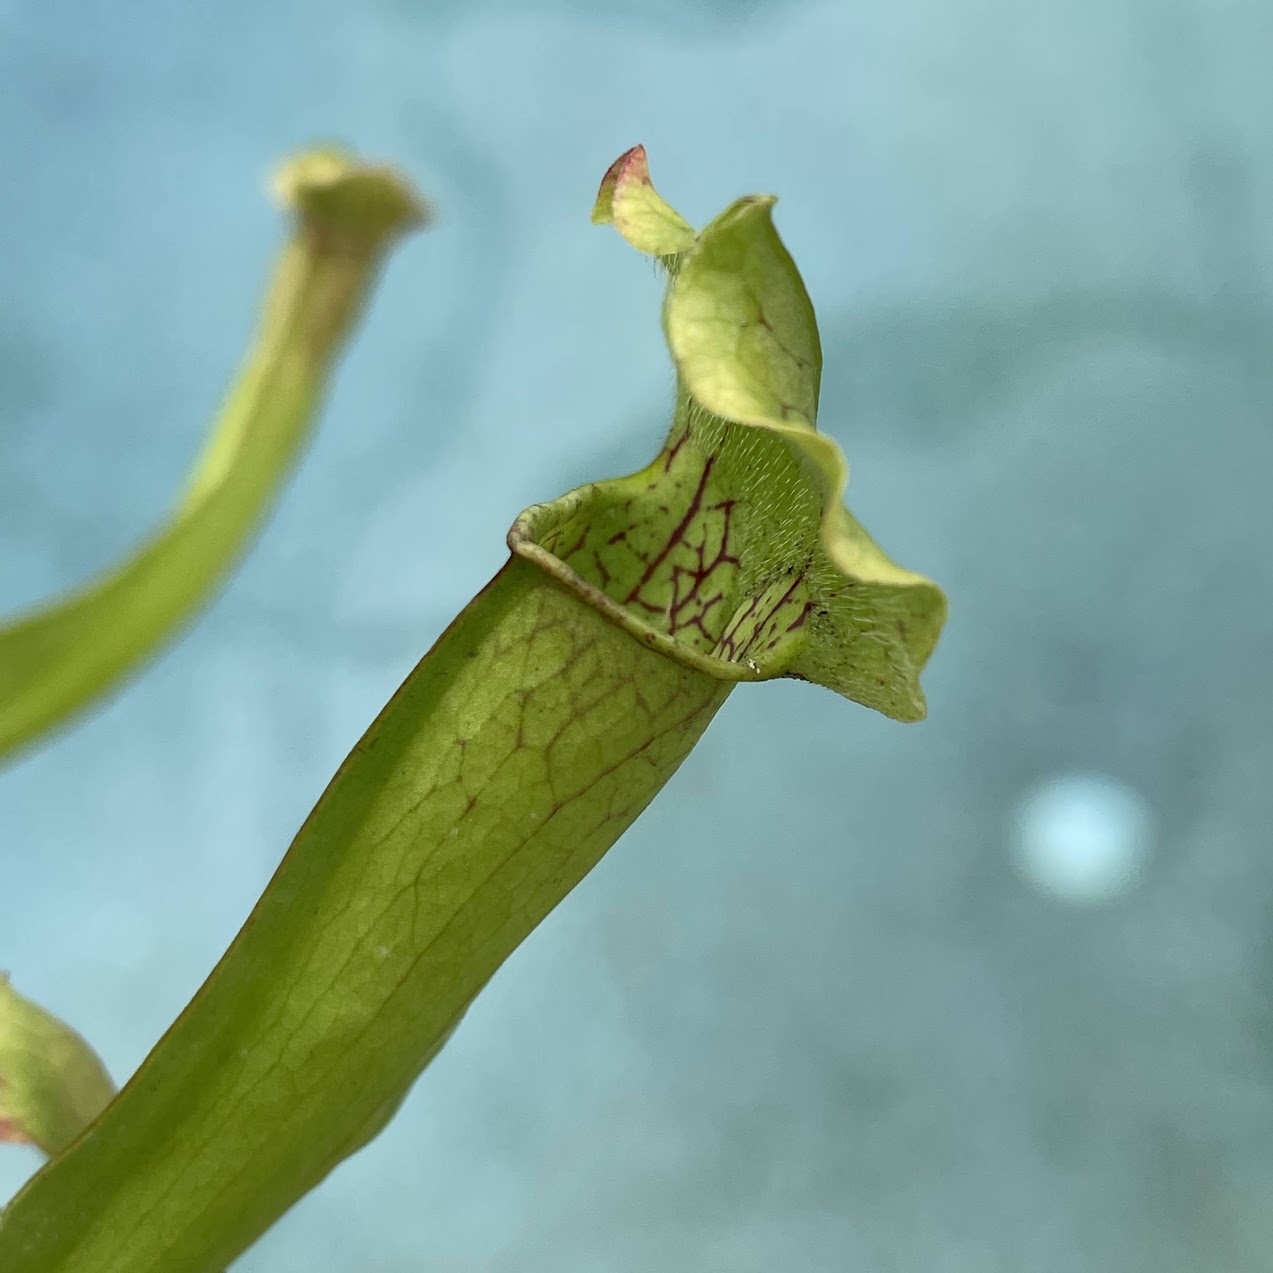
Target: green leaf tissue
[(541, 723)]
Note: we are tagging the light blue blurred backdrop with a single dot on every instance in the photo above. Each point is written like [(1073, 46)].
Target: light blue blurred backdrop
[(993, 992)]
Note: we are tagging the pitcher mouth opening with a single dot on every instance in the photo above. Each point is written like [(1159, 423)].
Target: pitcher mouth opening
[(678, 557), (524, 541)]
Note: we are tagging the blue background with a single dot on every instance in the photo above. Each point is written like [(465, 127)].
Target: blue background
[(817, 1010)]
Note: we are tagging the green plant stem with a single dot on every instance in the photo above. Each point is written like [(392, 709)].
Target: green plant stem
[(59, 659)]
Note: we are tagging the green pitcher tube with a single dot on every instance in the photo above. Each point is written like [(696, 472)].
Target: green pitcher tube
[(542, 722)]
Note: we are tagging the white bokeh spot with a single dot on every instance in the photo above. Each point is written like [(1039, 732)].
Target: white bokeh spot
[(1082, 837)]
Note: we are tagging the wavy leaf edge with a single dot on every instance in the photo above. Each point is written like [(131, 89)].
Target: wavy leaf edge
[(755, 569)]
